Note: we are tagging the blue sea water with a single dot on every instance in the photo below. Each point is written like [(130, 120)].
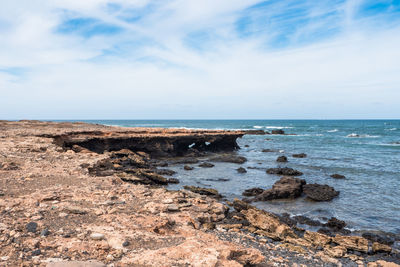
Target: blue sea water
[(367, 152)]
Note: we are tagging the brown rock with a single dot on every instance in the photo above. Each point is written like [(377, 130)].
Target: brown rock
[(317, 239), (319, 192), (301, 155), (284, 171), (286, 187), (357, 243), (282, 159), (252, 192), (187, 168), (337, 252), (203, 191), (378, 247)]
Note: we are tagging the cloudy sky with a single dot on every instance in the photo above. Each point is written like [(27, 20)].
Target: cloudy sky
[(191, 59)]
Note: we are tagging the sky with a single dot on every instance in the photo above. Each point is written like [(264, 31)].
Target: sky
[(190, 59)]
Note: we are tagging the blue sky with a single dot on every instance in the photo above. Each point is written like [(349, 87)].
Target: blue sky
[(175, 59)]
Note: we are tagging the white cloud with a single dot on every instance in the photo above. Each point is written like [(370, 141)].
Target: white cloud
[(351, 75)]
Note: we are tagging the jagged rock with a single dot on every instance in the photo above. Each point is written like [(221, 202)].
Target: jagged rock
[(229, 158), (380, 237), (252, 192), (165, 172), (203, 191), (31, 227), (241, 170), (284, 171), (279, 131), (240, 205), (357, 243), (286, 187), (338, 176), (301, 155), (269, 224), (188, 168), (282, 159), (317, 239), (319, 192), (305, 220), (378, 247), (206, 165), (335, 224)]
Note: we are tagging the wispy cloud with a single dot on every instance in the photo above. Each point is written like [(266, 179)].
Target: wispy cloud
[(199, 59)]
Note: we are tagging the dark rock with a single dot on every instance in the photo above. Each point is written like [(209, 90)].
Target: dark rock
[(165, 172), (31, 227), (269, 150), (230, 158), (188, 168), (218, 179), (380, 237), (241, 170), (305, 220), (203, 191), (240, 205), (278, 131), (301, 155), (318, 192), (206, 165), (126, 243), (285, 218), (256, 132), (45, 232), (173, 181), (252, 192), (36, 252), (286, 187), (282, 159), (284, 171), (338, 176), (187, 160), (335, 224), (325, 231), (246, 145)]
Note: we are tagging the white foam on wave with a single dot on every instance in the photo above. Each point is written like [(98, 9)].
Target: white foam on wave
[(278, 127), (258, 127), (355, 135), (333, 131), (391, 129)]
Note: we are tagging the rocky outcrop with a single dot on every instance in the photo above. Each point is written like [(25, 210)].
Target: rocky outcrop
[(319, 192), (286, 187), (284, 171)]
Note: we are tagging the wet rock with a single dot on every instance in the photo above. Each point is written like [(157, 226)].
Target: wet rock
[(256, 132), (203, 191), (378, 247), (240, 205), (279, 131), (284, 171), (338, 176), (31, 227), (97, 236), (380, 237), (173, 181), (252, 192), (230, 158), (335, 224), (301, 155), (241, 170), (206, 165), (286, 187), (165, 172), (319, 192), (356, 243), (305, 220), (282, 159), (269, 150), (187, 168), (187, 160)]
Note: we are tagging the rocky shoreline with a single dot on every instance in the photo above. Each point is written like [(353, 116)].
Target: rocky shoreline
[(76, 192)]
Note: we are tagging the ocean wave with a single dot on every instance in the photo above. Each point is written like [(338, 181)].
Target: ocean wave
[(258, 127), (278, 127), (333, 131), (391, 129), (355, 135)]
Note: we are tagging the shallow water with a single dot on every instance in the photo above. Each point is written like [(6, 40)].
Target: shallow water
[(365, 151)]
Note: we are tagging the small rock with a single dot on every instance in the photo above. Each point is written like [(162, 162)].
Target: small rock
[(278, 131), (126, 243), (284, 171), (301, 155), (4, 258), (241, 170), (206, 165), (36, 252), (173, 181), (282, 159), (338, 176), (168, 201), (269, 150), (31, 227), (252, 192), (45, 232), (173, 208), (97, 236), (187, 168)]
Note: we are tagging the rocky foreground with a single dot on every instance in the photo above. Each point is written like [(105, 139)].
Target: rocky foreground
[(75, 194)]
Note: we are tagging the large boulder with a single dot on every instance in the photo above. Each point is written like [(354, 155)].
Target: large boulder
[(286, 187), (318, 192), (284, 171)]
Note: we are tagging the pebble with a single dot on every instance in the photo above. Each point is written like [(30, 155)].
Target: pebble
[(36, 252), (4, 258), (45, 232), (31, 227), (126, 243), (97, 236), (62, 214), (168, 201), (173, 207)]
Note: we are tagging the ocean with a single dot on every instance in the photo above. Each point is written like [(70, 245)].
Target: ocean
[(367, 152)]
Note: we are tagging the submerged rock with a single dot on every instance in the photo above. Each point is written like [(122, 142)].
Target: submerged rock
[(282, 159), (278, 131), (380, 237), (241, 170), (187, 168), (284, 171), (206, 165), (305, 220), (318, 192), (335, 224), (252, 192), (269, 150), (229, 158), (203, 191), (286, 187), (301, 155), (338, 176)]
